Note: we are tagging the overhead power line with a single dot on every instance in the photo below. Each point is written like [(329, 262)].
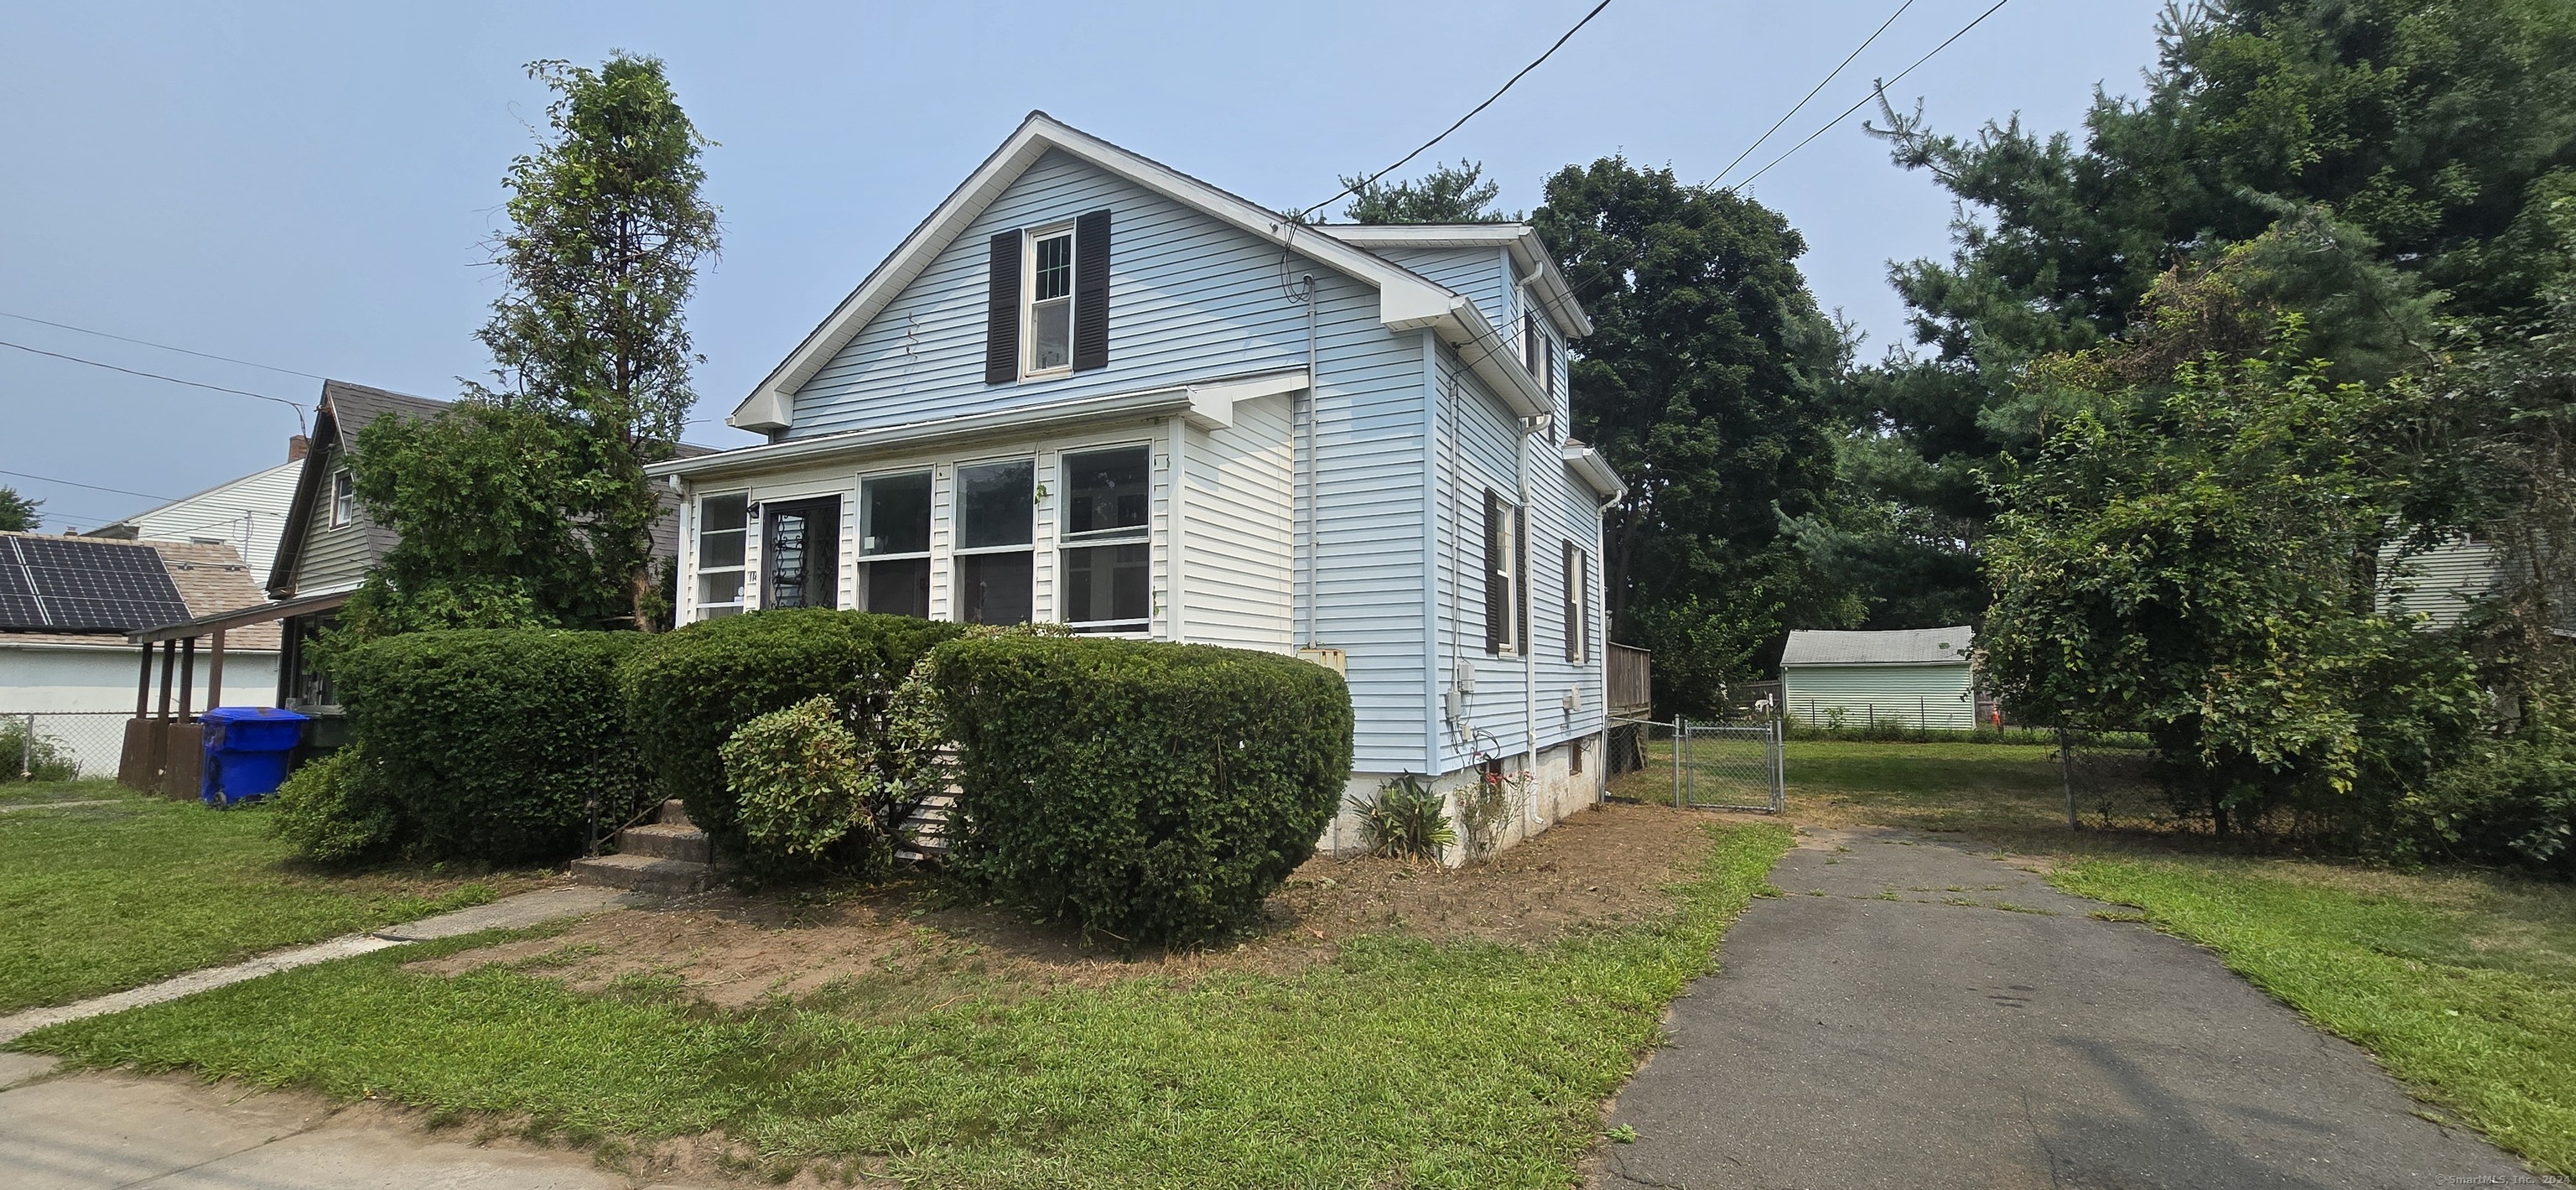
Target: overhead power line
[(163, 346), (297, 406), (1801, 105), (91, 486), (1875, 91), (1462, 120)]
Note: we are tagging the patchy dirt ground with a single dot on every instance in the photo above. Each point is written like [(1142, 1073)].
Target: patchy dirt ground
[(898, 948)]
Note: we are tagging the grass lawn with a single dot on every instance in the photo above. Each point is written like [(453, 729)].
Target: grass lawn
[(2463, 983), (1399, 1061), (97, 898)]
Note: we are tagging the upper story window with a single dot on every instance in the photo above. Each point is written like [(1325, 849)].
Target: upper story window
[(720, 540), (344, 498), (1048, 308), (1108, 561), (1578, 603), (894, 544), (1049, 317)]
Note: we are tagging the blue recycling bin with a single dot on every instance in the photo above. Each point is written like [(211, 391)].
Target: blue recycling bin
[(246, 752)]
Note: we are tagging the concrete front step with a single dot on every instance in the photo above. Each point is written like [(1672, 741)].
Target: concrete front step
[(674, 812), (644, 874), (662, 841)]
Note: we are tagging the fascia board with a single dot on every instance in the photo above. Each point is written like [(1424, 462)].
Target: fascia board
[(1154, 402), (1212, 403), (769, 405), (1595, 472), (1529, 255), (1485, 353)]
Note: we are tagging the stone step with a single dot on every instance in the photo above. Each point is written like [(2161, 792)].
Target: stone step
[(674, 813), (663, 841), (644, 874)]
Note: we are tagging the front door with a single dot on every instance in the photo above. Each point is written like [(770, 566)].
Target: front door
[(801, 552)]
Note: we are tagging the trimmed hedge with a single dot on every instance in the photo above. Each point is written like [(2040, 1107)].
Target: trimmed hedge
[(490, 742), (1150, 791), (688, 691)]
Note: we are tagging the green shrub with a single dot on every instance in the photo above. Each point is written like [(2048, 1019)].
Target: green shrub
[(2513, 802), (797, 781), (688, 691), (332, 814), (493, 741), (1150, 791), (34, 754), (1405, 820)]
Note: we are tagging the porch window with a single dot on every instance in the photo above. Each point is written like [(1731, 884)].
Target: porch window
[(996, 514), (720, 541), (344, 498), (894, 544), (1108, 561), (1049, 317)]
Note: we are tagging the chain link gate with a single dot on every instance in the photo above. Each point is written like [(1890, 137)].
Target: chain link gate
[(1712, 766)]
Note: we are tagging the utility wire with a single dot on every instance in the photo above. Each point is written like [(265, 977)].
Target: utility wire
[(163, 346), (1462, 120), (1811, 92), (1876, 90), (91, 486), (297, 406)]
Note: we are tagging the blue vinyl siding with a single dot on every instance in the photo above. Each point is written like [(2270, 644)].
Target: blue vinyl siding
[(1482, 274)]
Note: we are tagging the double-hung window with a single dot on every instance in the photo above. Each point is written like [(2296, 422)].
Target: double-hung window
[(996, 514), (1048, 316), (894, 544), (1108, 561), (344, 498), (721, 522), (1506, 576)]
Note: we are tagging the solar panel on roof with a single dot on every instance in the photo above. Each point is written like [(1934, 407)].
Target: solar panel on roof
[(69, 585)]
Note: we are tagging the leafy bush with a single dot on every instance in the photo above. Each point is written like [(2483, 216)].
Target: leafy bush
[(1405, 820), (1151, 791), (40, 758), (332, 814), (493, 741), (797, 779), (2515, 803), (687, 692)]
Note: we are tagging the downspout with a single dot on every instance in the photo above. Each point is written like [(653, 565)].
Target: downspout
[(1314, 409), (1434, 697), (1526, 627)]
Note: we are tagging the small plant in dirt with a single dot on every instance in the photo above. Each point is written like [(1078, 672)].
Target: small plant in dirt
[(1488, 807), (1405, 820)]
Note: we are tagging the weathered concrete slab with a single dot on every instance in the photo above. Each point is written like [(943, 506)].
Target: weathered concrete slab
[(510, 913), (25, 1068), (1852, 1040)]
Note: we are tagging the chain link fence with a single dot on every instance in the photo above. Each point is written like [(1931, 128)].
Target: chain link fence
[(60, 745), (1710, 766), (2109, 777)]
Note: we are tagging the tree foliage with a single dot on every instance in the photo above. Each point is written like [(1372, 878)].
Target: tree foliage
[(1705, 384), (527, 503), (1448, 194), (19, 514)]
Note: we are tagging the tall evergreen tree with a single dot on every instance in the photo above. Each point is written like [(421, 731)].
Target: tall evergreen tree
[(19, 514), (1449, 194)]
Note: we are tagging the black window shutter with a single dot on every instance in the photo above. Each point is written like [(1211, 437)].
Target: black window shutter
[(1091, 291), (1002, 311), (1520, 578), (1495, 608)]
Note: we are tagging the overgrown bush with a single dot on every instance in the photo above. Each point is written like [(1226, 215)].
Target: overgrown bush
[(687, 692), (331, 814), (796, 779), (37, 756), (2515, 803), (493, 741), (1405, 820), (1146, 790)]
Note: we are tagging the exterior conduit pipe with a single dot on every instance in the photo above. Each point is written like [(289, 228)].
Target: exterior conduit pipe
[(1314, 410), (1525, 626)]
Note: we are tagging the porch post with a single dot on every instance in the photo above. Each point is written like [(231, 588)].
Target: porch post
[(143, 684), (187, 677), (169, 659), (215, 674)]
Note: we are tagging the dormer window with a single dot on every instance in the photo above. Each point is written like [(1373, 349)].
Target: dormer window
[(344, 499), (1049, 315)]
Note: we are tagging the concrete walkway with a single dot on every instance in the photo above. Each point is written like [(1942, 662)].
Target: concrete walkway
[(525, 909), (109, 1131), (1852, 1040)]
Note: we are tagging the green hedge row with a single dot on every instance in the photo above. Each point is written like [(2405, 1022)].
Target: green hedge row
[(1148, 791), (489, 743)]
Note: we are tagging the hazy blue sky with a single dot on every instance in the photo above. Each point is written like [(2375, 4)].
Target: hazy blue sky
[(309, 186)]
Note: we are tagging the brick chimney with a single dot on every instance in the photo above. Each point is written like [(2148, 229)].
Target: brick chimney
[(297, 446)]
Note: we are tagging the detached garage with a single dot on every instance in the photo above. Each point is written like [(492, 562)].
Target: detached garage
[(1916, 677)]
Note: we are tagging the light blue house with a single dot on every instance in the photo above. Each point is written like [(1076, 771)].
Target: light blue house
[(1089, 389)]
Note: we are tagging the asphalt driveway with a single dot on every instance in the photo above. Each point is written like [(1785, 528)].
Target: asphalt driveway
[(1916, 1014)]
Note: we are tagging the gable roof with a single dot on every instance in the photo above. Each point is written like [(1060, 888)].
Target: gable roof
[(1906, 646), (211, 578), (1407, 301), (344, 410), (1530, 257)]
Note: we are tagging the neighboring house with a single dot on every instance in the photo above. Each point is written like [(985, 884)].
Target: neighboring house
[(248, 514), (1091, 390), (2440, 582), (1919, 677)]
